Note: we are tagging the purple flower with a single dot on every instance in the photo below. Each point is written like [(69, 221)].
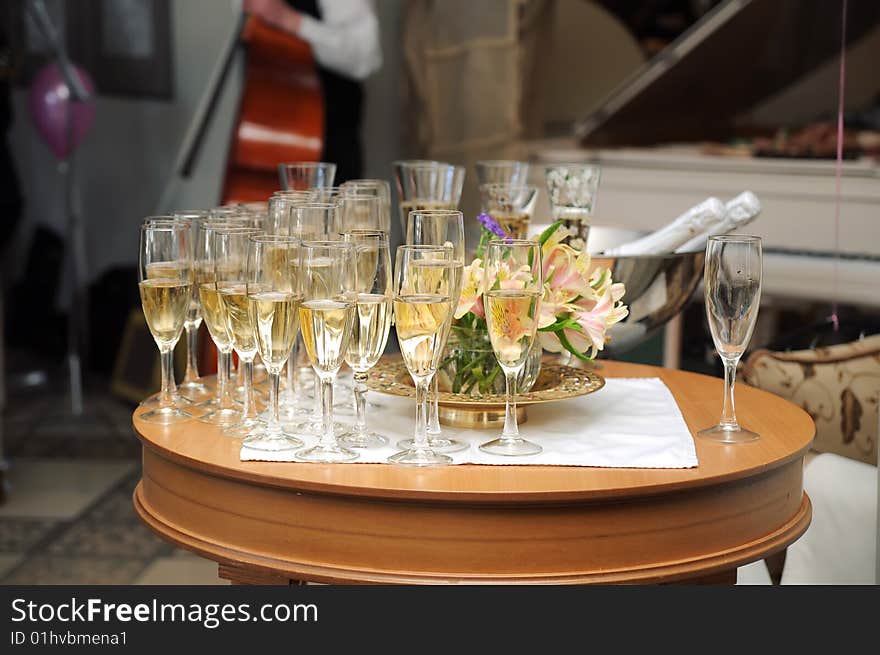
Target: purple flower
[(491, 224)]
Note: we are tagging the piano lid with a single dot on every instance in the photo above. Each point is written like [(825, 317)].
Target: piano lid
[(737, 55)]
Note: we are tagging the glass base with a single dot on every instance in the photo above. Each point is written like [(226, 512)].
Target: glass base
[(165, 416), (248, 427), (155, 401), (195, 391), (272, 442), (419, 457), (363, 440), (512, 447), (437, 444), (222, 417), (326, 454), (728, 434)]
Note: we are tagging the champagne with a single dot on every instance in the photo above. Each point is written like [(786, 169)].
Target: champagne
[(421, 322), (427, 277), (515, 224), (326, 328), (512, 317), (233, 300), (317, 283), (164, 301), (212, 312), (370, 334), (274, 315)]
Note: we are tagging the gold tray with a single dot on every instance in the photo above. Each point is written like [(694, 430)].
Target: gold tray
[(555, 382)]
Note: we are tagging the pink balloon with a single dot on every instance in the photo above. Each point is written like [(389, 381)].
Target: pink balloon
[(51, 106)]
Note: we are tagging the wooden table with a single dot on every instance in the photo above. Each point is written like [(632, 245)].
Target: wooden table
[(288, 523)]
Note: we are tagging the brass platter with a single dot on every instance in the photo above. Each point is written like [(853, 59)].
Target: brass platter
[(555, 382)]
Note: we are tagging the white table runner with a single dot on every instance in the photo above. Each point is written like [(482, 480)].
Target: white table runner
[(630, 423)]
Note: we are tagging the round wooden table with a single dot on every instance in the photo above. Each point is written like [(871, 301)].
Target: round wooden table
[(289, 523)]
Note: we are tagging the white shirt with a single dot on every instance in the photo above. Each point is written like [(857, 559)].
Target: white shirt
[(346, 39)]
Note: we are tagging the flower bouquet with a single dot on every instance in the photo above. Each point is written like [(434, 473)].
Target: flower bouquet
[(578, 306)]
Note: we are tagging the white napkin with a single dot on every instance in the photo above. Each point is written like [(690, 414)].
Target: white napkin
[(629, 423)]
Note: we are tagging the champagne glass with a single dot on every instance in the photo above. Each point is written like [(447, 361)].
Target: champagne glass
[(363, 213), (279, 209), (273, 300), (373, 286), (422, 313), (732, 280), (192, 386), (230, 250), (426, 184), (502, 171), (439, 227), (367, 187), (327, 318), (302, 175), (165, 285), (511, 205), (514, 283)]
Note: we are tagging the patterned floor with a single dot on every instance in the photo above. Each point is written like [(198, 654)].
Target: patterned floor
[(68, 517)]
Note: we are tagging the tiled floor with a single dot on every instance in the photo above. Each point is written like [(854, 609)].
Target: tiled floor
[(68, 517)]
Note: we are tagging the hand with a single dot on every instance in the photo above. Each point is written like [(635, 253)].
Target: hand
[(274, 12)]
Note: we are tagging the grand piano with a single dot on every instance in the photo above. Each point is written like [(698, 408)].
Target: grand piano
[(743, 62)]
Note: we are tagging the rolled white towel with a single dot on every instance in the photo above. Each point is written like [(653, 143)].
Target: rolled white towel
[(739, 211), (685, 227)]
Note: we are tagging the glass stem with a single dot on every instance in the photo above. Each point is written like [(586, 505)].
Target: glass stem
[(223, 365), (420, 437), (511, 429), (192, 362), (317, 410), (728, 413), (328, 438), (166, 363), (360, 402), (434, 416), (246, 371), (274, 427), (290, 393)]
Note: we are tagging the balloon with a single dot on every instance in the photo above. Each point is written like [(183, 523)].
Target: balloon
[(49, 102)]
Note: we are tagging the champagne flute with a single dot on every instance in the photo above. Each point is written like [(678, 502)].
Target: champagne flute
[(502, 171), (422, 313), (302, 175), (193, 387), (373, 285), (438, 227), (280, 207), (327, 318), (377, 188), (230, 250), (514, 283), (426, 184), (362, 212), (273, 300), (165, 285), (224, 412), (732, 280)]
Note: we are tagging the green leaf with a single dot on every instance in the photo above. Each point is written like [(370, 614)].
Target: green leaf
[(574, 351), (548, 232)]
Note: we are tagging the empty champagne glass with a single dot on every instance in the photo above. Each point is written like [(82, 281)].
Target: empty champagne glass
[(273, 300), (439, 227), (363, 213), (303, 175), (366, 187), (514, 284), (229, 253), (422, 313), (511, 205), (426, 184), (373, 286), (732, 280), (192, 386), (327, 319), (502, 171), (165, 285)]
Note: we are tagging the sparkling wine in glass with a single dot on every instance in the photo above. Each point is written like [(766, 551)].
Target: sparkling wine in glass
[(327, 319), (423, 308), (514, 284), (439, 227), (373, 286), (273, 298), (732, 281), (165, 285)]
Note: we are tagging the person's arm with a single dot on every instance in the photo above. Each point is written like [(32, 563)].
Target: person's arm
[(345, 40)]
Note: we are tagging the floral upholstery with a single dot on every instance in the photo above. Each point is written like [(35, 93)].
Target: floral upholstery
[(839, 386)]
